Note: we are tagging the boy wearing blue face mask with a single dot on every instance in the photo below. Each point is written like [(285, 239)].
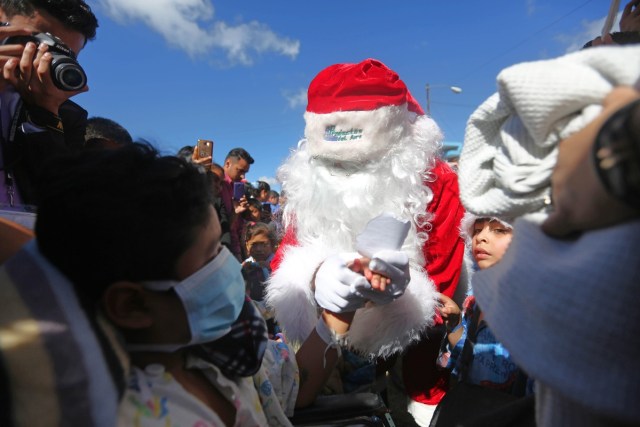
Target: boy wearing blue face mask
[(154, 267)]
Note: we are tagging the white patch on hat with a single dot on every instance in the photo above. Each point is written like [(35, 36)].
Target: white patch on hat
[(357, 135)]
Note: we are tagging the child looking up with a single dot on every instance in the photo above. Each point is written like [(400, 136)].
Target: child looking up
[(490, 365), (260, 247), (256, 269)]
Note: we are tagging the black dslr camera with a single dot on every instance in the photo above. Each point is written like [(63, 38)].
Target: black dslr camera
[(66, 73)]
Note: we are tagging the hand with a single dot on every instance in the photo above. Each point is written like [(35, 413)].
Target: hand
[(203, 161), (580, 201), (630, 19), (449, 311), (31, 77), (11, 51), (599, 41), (336, 283), (394, 266), (387, 274), (241, 205)]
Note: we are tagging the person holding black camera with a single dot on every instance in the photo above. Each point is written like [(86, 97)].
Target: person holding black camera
[(39, 42)]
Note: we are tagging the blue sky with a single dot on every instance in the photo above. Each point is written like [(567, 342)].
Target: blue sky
[(236, 72)]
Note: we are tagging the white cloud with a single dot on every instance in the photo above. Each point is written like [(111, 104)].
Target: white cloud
[(531, 7), (589, 31), (297, 99), (182, 24)]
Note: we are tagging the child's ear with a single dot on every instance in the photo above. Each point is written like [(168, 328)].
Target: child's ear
[(125, 305)]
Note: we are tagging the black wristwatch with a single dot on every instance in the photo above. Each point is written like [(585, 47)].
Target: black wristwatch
[(616, 154)]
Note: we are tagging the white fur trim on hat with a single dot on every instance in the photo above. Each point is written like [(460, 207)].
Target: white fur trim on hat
[(356, 136), (469, 219)]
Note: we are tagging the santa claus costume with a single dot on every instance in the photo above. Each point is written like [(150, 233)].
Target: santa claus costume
[(368, 150)]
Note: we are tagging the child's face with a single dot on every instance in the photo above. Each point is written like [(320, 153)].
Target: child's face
[(254, 212), (490, 241), (259, 247)]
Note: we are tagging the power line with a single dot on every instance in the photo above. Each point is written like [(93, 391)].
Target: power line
[(453, 104), (523, 41)]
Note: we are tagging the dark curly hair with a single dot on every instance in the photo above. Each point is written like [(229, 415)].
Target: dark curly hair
[(74, 14), (126, 214)]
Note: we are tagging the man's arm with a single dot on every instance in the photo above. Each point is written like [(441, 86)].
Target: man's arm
[(316, 358)]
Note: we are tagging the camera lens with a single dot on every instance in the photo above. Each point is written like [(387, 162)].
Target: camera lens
[(69, 76)]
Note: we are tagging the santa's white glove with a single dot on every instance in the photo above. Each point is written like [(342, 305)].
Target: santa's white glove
[(394, 265), (336, 284)]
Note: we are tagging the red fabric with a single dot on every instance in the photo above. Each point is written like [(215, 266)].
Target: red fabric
[(423, 381), (365, 86), (445, 248), (289, 239)]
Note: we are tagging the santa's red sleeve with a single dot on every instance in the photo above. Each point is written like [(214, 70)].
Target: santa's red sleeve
[(289, 239), (424, 382), (444, 250)]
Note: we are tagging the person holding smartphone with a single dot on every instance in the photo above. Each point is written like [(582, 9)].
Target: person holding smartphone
[(236, 166)]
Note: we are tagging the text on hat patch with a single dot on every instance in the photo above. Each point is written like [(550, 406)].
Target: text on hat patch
[(331, 134)]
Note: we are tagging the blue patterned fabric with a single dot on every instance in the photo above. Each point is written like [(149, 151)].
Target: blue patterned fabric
[(492, 365)]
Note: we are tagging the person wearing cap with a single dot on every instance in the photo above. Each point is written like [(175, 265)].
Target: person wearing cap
[(369, 150)]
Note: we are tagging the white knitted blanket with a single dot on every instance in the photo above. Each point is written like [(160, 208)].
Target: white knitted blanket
[(511, 140), (566, 310)]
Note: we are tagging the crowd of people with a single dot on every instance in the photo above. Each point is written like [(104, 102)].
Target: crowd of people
[(142, 289)]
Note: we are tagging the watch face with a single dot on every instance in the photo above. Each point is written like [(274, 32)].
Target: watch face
[(615, 157)]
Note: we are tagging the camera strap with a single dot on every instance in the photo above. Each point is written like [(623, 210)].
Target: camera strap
[(10, 156)]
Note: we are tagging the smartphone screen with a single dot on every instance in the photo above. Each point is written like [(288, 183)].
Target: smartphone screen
[(238, 190), (205, 148)]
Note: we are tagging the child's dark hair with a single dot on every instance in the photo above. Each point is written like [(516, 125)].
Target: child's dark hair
[(254, 202), (125, 214), (74, 14), (260, 228)]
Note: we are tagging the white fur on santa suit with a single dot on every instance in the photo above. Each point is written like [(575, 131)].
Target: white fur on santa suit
[(333, 189)]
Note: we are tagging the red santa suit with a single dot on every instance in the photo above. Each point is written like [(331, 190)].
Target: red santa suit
[(368, 150)]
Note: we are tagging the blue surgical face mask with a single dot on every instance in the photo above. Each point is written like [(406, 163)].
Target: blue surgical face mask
[(212, 298)]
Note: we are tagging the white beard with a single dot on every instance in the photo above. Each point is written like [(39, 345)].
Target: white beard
[(328, 204)]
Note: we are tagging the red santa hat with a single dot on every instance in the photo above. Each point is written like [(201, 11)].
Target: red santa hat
[(365, 86), (355, 111)]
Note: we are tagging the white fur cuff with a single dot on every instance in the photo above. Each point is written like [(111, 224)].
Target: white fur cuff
[(290, 294)]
